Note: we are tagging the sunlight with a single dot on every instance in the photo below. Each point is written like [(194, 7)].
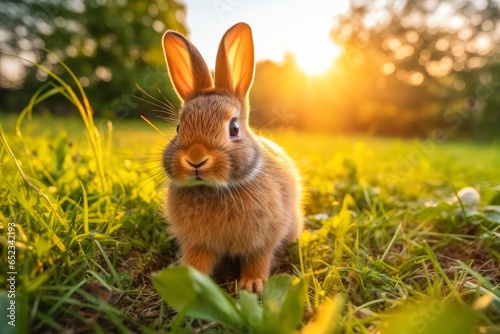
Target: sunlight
[(315, 53)]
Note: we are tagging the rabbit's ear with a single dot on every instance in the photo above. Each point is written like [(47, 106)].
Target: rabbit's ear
[(189, 72), (235, 61)]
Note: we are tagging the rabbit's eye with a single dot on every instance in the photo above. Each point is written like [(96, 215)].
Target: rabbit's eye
[(177, 128), (234, 128)]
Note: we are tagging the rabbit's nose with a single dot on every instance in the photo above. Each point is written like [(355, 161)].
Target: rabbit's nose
[(196, 157), (196, 165)]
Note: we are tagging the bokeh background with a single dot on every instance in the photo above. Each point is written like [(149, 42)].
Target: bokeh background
[(391, 68)]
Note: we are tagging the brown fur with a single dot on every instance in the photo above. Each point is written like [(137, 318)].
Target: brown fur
[(227, 196)]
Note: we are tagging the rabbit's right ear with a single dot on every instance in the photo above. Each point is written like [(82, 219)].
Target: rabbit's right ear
[(234, 69), (188, 71)]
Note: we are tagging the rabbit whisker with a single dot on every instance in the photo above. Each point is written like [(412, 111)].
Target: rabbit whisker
[(167, 106)]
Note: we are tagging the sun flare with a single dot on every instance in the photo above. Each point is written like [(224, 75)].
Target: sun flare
[(316, 55)]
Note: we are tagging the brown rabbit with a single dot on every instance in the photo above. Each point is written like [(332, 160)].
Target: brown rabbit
[(231, 193)]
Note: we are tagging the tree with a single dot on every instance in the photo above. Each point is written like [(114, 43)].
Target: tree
[(110, 45), (431, 61)]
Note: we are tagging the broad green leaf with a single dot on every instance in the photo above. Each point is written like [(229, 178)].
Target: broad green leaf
[(284, 299), (293, 306), (187, 290), (251, 311), (276, 289), (196, 295)]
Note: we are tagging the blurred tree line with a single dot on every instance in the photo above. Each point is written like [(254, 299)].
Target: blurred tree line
[(408, 67), (111, 45)]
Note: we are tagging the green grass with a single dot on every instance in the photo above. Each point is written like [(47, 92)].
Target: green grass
[(382, 243)]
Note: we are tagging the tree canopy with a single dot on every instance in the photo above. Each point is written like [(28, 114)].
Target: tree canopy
[(110, 45), (407, 68)]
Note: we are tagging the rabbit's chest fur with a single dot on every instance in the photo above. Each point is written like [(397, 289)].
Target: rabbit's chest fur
[(232, 221), (223, 221)]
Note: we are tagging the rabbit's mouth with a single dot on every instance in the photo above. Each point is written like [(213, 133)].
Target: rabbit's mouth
[(197, 176), (198, 181)]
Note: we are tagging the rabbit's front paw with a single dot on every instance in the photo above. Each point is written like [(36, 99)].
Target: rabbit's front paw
[(255, 270), (252, 284)]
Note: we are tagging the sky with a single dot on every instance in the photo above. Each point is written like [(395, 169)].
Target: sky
[(299, 26)]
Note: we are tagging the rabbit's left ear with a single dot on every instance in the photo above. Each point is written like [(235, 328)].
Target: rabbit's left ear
[(187, 69), (234, 68)]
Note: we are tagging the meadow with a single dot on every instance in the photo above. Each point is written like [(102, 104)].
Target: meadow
[(387, 247)]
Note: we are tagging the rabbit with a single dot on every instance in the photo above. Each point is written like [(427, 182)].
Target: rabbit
[(230, 192)]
